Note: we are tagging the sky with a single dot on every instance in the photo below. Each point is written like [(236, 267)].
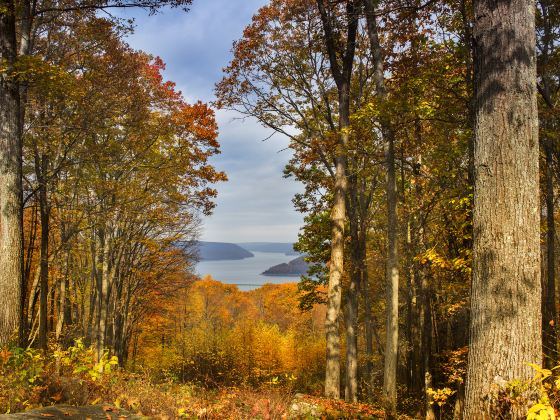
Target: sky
[(255, 204)]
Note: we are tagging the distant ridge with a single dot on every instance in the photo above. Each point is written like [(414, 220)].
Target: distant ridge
[(283, 247), (214, 251)]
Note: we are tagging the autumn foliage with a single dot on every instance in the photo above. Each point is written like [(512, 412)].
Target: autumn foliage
[(214, 335)]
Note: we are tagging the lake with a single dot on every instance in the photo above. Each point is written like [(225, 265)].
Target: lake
[(246, 273)]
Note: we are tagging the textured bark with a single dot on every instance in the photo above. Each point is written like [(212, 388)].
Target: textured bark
[(11, 198), (392, 270), (342, 74), (505, 326), (334, 296)]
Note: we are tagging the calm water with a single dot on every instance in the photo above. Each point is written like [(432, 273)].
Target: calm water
[(247, 272)]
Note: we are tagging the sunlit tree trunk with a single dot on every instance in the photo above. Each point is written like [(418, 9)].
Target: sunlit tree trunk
[(505, 330), (11, 193), (342, 74)]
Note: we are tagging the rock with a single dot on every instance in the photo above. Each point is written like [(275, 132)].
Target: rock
[(93, 412), (301, 409)]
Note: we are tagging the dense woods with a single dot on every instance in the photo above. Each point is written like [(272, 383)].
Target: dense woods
[(425, 135)]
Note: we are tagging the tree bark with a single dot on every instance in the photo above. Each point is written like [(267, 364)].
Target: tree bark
[(11, 191), (505, 325)]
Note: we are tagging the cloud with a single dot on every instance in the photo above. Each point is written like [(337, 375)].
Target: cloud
[(255, 205)]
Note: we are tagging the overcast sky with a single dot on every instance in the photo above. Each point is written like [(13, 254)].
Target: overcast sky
[(255, 204)]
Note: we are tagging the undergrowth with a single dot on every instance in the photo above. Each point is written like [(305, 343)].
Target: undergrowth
[(31, 379)]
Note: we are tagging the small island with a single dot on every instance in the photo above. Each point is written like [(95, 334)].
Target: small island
[(296, 267), (214, 251)]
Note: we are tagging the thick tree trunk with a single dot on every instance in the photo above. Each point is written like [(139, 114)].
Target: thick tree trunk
[(334, 297), (11, 192), (505, 330)]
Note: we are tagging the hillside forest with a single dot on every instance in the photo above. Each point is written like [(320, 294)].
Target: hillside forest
[(425, 136)]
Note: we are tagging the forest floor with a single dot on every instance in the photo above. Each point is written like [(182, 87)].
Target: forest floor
[(227, 404), (71, 384)]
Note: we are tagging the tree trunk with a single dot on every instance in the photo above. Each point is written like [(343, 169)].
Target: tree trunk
[(40, 172), (11, 191), (426, 321), (103, 295), (336, 270), (368, 329), (550, 338), (342, 76), (99, 250), (27, 293), (392, 271), (505, 324), (351, 388), (549, 313)]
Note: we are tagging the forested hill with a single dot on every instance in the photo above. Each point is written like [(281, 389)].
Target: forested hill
[(221, 251), (296, 267), (283, 247)]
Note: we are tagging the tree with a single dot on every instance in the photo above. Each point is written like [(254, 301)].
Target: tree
[(505, 326), (11, 193), (547, 47), (13, 93), (341, 58), (392, 272)]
